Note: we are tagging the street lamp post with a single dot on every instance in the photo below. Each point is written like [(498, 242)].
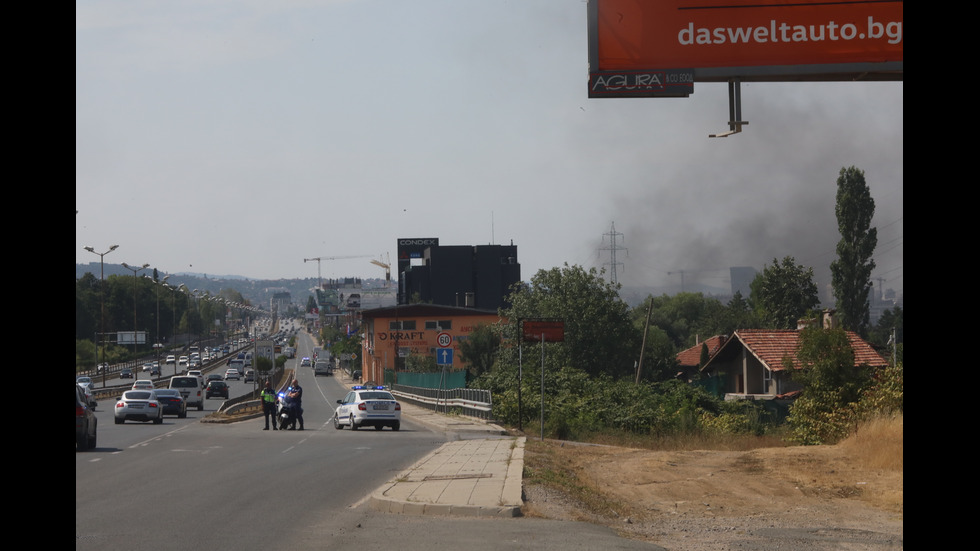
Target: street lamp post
[(157, 345), (101, 307), (134, 270), (174, 337)]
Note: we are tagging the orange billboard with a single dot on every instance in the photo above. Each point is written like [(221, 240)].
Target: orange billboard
[(749, 39)]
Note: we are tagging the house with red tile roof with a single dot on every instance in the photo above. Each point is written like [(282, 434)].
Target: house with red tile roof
[(689, 361), (751, 364)]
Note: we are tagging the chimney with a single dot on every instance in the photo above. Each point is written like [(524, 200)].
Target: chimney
[(830, 319)]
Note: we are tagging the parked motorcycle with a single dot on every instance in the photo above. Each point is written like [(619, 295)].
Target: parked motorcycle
[(286, 411)]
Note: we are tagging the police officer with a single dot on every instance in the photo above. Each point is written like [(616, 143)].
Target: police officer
[(296, 393), (269, 405)]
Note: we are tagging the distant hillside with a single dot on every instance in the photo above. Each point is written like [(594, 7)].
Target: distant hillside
[(256, 291), (260, 291)]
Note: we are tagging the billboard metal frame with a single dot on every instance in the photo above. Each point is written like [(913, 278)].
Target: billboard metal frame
[(660, 48)]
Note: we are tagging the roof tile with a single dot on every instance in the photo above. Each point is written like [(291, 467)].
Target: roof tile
[(771, 346)]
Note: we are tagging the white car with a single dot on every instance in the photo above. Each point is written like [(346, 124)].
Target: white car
[(147, 367), (143, 384), (232, 373), (182, 360), (138, 405), (86, 384), (170, 359), (364, 406)]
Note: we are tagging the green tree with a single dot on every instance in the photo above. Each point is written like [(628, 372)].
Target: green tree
[(480, 348), (832, 385), (263, 365), (705, 356), (851, 272), (739, 315), (685, 317), (599, 334), (880, 335), (421, 363), (659, 356), (886, 393), (783, 293)]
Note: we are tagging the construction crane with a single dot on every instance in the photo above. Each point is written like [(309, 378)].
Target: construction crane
[(387, 268), (319, 281)]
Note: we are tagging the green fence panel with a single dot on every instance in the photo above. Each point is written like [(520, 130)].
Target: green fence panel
[(447, 381)]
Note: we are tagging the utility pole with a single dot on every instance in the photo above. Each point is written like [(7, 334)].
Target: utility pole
[(612, 248), (682, 277)]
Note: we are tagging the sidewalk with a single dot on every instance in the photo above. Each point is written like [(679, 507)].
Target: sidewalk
[(479, 477)]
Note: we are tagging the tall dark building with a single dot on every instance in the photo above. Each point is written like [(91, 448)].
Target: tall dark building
[(458, 275)]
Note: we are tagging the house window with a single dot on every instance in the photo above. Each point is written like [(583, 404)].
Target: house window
[(439, 325), (402, 325)]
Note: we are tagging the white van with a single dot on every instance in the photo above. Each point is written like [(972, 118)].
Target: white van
[(190, 389)]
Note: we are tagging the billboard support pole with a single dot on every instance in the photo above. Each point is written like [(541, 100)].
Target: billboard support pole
[(735, 122)]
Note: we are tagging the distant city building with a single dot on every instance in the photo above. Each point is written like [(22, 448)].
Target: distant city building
[(280, 301), (742, 277)]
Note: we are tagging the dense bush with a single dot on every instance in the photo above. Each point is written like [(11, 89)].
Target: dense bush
[(577, 404)]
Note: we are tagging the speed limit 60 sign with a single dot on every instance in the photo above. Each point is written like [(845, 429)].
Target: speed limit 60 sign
[(444, 339)]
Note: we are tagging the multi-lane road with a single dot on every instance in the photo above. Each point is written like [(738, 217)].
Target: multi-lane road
[(190, 485)]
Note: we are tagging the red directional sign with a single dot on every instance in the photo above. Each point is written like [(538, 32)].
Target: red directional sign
[(552, 331)]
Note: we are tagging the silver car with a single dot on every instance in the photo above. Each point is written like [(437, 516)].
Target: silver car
[(138, 405)]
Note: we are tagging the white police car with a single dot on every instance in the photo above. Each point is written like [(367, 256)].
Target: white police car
[(368, 407)]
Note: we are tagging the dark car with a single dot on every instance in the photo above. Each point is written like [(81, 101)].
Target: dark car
[(126, 374), (172, 402), (217, 388), (86, 424)]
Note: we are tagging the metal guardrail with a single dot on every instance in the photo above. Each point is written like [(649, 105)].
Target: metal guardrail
[(468, 401), (161, 381)]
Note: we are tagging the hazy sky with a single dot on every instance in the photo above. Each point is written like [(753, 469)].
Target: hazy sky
[(238, 138)]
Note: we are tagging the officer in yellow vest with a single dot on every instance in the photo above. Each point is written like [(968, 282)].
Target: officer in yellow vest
[(269, 405)]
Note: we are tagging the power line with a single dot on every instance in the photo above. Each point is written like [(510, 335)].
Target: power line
[(612, 248)]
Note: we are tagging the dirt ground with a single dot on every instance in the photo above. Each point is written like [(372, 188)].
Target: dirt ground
[(774, 498)]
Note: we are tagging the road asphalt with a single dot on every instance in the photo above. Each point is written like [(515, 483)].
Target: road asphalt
[(471, 476)]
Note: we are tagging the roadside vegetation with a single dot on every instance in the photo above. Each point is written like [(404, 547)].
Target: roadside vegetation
[(614, 374)]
